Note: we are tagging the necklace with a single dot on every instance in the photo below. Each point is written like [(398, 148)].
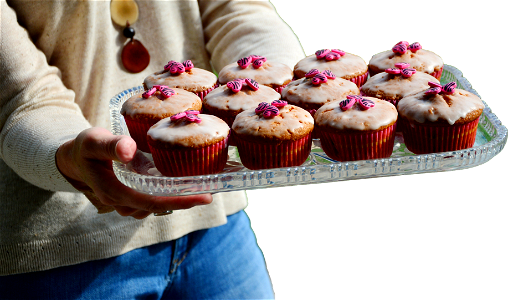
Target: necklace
[(135, 57)]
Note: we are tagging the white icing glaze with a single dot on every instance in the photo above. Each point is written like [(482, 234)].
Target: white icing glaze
[(423, 60), (396, 86), (303, 91), (271, 73), (194, 80), (187, 134), (160, 107), (422, 108), (290, 119), (347, 66), (331, 115), (223, 98)]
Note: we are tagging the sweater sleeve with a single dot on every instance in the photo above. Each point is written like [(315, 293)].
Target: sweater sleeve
[(37, 112), (235, 29)]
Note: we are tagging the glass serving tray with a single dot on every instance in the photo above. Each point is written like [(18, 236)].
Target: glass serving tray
[(141, 174)]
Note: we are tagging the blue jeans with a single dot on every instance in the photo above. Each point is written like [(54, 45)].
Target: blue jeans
[(224, 262)]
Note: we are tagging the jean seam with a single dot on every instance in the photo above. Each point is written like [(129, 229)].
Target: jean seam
[(176, 263), (179, 253)]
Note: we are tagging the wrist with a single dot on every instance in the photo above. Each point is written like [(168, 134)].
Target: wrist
[(66, 166)]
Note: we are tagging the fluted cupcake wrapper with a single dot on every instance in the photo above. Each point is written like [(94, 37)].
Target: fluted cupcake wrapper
[(360, 80), (257, 156), (422, 139), (358, 146), (191, 161), (280, 88), (138, 130), (229, 121), (203, 94), (438, 74)]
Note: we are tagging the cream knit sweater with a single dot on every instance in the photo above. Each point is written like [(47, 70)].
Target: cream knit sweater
[(59, 66)]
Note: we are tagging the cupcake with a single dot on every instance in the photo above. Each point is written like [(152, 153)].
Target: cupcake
[(238, 95), (189, 144), (227, 101), (273, 135), (317, 88), (439, 119), (395, 83), (344, 65), (357, 128), (270, 73), (184, 76), (141, 111), (422, 60)]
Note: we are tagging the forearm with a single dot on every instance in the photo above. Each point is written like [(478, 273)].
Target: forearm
[(37, 112), (234, 29)]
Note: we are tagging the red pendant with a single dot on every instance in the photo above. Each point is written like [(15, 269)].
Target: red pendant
[(135, 57)]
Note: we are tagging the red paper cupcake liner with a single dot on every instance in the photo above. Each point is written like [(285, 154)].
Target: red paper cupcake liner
[(280, 88), (438, 74), (204, 93), (358, 146), (229, 121), (315, 132), (360, 80), (422, 139), (191, 161), (257, 156), (138, 132)]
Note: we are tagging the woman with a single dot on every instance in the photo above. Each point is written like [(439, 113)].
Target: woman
[(60, 65)]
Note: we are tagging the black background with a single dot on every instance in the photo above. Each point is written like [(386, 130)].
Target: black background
[(384, 234)]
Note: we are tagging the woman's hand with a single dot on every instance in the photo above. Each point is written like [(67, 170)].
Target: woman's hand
[(86, 162)]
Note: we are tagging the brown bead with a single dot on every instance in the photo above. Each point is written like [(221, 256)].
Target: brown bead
[(135, 57)]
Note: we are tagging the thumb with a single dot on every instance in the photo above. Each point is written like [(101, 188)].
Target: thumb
[(125, 149), (100, 144)]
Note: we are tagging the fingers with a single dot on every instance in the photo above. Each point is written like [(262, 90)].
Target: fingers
[(113, 193), (141, 214), (101, 208), (127, 211), (128, 202), (124, 210)]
